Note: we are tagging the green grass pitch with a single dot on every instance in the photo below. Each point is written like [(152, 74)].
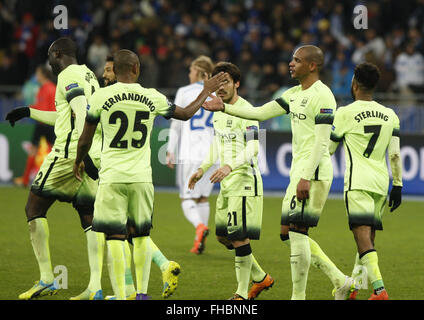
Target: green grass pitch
[(211, 276)]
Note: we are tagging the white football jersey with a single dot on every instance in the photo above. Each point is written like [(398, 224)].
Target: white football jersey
[(194, 136)]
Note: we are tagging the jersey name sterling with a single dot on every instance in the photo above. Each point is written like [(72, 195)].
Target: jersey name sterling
[(128, 96), (371, 114)]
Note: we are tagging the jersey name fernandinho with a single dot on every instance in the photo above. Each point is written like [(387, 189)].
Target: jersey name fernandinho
[(72, 82), (126, 112), (365, 127), (315, 105), (231, 136)]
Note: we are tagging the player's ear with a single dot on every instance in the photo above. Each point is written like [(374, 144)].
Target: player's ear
[(354, 85), (237, 84), (136, 69)]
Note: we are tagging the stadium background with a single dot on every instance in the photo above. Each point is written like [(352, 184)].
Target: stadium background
[(259, 36)]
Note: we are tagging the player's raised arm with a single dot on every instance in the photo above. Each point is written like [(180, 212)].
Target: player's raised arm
[(209, 86), (267, 111)]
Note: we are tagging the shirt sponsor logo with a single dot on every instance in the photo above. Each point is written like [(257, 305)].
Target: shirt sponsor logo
[(299, 116), (71, 86)]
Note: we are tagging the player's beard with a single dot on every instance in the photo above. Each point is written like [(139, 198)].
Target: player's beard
[(228, 98), (108, 82), (55, 69)]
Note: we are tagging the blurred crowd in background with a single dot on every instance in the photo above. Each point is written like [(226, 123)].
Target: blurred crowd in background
[(258, 36)]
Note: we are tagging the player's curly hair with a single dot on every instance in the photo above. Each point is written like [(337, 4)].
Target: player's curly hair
[(229, 68), (367, 76)]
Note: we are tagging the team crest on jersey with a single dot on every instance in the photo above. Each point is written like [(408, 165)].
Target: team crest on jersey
[(304, 102), (89, 76), (71, 86), (229, 123)]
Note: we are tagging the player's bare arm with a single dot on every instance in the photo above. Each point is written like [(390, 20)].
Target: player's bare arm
[(84, 145), (267, 111), (209, 86)]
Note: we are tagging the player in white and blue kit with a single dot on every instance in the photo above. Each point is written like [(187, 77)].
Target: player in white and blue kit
[(188, 145)]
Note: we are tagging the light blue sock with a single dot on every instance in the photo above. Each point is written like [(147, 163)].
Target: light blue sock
[(158, 258)]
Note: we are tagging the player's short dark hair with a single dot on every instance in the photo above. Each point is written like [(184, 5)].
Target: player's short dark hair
[(109, 58), (124, 60), (229, 68), (65, 46), (367, 76)]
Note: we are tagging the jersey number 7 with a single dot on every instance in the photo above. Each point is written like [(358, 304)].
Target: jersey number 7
[(138, 126), (375, 130)]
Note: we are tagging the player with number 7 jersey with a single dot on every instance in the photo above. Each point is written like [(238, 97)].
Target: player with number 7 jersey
[(368, 129)]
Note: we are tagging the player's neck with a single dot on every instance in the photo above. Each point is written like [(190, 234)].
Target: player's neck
[(66, 62), (308, 81), (364, 96), (125, 79), (198, 81), (233, 99)]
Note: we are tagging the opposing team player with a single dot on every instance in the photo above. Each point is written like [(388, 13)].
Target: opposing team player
[(125, 196), (311, 106), (191, 140), (238, 217), (367, 130), (55, 180)]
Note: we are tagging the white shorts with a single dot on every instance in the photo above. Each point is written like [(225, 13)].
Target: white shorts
[(203, 187)]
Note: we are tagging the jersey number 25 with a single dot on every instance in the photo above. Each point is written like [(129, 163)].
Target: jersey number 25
[(138, 126)]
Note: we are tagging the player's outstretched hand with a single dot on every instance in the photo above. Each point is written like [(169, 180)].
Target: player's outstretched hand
[(395, 198), (170, 160), (213, 84), (220, 174), (213, 104), (194, 178), (17, 114), (78, 170), (302, 191)]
